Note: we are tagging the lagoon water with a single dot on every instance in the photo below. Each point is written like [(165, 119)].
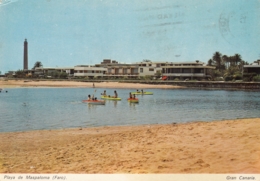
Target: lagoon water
[(23, 109)]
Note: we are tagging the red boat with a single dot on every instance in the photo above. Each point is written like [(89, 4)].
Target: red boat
[(133, 100), (95, 102)]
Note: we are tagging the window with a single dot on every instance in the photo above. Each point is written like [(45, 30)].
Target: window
[(141, 70), (186, 70), (150, 69)]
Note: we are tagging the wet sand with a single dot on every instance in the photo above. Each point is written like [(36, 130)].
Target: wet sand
[(31, 83), (230, 146)]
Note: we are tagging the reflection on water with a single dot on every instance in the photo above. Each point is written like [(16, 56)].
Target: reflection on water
[(115, 103), (55, 108)]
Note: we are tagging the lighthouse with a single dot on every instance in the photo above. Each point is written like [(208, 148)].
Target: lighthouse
[(25, 55)]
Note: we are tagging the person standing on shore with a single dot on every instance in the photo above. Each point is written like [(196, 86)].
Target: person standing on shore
[(93, 85)]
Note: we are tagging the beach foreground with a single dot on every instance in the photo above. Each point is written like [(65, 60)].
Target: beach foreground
[(230, 146), (30, 83)]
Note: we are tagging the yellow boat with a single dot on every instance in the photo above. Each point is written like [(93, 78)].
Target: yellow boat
[(111, 98)]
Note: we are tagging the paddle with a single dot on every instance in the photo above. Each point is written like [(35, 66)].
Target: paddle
[(93, 95)]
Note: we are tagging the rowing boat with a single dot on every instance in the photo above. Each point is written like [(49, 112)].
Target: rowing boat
[(142, 93), (135, 100), (111, 98), (95, 102)]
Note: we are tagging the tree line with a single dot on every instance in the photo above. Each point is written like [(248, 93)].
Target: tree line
[(228, 68)]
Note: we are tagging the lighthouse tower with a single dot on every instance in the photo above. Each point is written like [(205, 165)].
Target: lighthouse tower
[(25, 55)]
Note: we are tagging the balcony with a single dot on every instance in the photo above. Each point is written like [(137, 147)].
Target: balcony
[(122, 74), (184, 74)]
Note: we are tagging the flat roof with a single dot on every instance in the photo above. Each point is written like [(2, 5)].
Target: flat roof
[(168, 66), (189, 62), (252, 66), (37, 68)]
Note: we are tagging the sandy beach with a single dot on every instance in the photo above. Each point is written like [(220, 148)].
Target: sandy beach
[(230, 146), (31, 83), (227, 146)]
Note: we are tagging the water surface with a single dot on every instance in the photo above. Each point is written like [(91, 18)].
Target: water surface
[(23, 109)]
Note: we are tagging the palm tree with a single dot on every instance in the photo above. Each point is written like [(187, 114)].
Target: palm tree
[(237, 59), (37, 64), (217, 58), (232, 61), (226, 60), (210, 62)]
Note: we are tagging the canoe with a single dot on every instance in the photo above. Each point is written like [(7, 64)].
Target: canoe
[(95, 102), (111, 98), (133, 100), (142, 93)]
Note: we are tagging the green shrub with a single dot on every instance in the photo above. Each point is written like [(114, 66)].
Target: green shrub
[(148, 77), (228, 78), (219, 79), (238, 76), (246, 79), (256, 78)]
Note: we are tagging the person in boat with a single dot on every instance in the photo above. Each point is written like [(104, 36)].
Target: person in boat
[(104, 93), (142, 91), (134, 96), (137, 90), (89, 97), (95, 99), (130, 95), (115, 94)]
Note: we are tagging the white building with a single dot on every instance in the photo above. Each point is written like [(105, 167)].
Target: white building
[(187, 70), (89, 71), (49, 70)]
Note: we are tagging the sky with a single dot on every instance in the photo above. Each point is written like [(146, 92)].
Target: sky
[(63, 33)]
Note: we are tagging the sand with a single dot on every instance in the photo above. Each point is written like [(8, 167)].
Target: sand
[(31, 83), (227, 146), (231, 146)]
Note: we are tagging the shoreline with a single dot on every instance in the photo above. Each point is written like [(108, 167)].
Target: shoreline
[(226, 146), (141, 84), (24, 83)]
